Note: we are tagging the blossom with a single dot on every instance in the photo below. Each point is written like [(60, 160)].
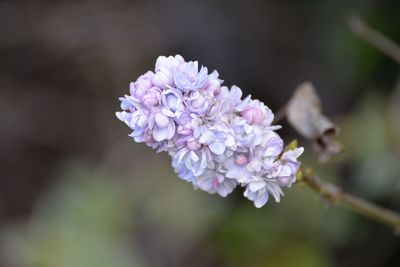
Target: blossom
[(172, 100), (213, 181), (187, 76), (187, 122), (259, 189), (165, 67), (236, 167), (142, 84), (216, 139), (290, 166), (163, 126), (152, 97), (199, 102), (213, 83), (193, 157)]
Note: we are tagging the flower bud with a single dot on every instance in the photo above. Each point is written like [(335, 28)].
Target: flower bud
[(185, 125), (142, 84), (252, 115), (241, 160), (193, 145), (152, 97)]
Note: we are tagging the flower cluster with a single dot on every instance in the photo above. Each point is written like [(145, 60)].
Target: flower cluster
[(216, 139)]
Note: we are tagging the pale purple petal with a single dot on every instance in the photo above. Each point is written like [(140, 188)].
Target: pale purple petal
[(216, 139)]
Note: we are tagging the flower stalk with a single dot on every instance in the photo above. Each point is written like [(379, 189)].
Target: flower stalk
[(335, 195)]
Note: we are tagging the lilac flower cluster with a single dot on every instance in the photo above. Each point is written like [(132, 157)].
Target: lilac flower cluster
[(216, 139)]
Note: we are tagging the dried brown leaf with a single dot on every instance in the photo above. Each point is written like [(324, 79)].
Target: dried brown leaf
[(304, 113)]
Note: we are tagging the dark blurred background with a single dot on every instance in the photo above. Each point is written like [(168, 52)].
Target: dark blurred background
[(76, 191)]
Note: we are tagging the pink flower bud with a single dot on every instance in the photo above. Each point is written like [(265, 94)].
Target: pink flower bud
[(152, 97), (241, 160), (142, 84), (252, 115), (193, 145), (184, 130), (185, 125)]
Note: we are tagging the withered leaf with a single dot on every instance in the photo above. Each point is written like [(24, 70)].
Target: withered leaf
[(304, 113)]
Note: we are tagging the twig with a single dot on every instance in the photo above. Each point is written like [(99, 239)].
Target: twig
[(393, 112), (374, 38), (335, 195)]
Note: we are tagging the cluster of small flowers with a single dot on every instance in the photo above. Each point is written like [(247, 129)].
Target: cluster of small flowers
[(216, 139)]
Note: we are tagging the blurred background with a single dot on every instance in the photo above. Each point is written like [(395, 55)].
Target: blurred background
[(76, 191)]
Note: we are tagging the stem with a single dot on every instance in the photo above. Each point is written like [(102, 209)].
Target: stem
[(374, 38), (335, 195)]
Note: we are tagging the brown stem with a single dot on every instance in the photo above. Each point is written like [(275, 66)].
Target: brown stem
[(335, 195), (374, 38)]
